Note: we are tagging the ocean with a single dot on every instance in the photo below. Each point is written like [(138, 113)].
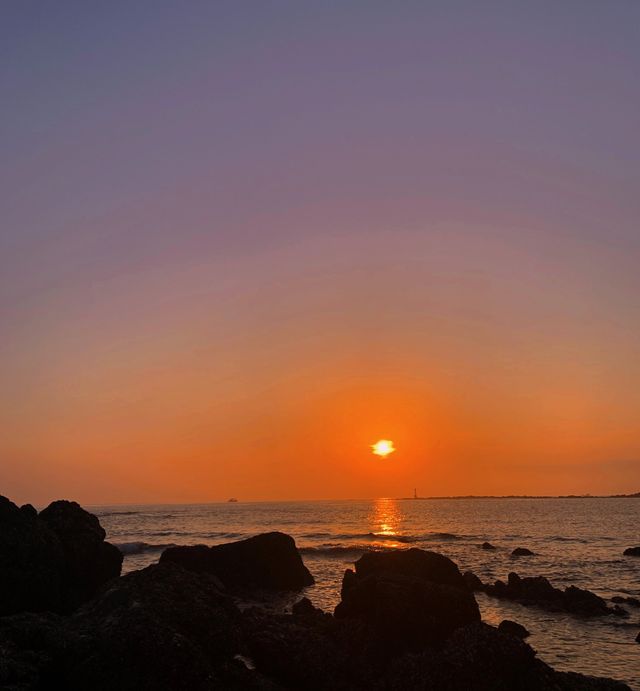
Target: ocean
[(576, 542)]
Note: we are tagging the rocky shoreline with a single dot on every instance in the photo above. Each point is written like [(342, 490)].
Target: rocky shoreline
[(407, 619)]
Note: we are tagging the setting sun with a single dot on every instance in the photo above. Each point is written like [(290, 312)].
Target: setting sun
[(383, 448)]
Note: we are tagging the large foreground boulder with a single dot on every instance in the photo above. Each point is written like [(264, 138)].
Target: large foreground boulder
[(52, 561), (269, 561), (31, 562), (89, 561), (162, 628), (407, 599)]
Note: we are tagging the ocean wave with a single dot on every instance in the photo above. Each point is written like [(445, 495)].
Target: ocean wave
[(372, 536), (562, 538), (342, 551), (117, 513), (129, 548)]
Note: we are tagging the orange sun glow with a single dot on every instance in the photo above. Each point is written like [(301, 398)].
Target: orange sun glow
[(383, 448)]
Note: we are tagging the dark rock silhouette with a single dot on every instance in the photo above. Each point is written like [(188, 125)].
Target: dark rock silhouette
[(481, 658), (522, 552), (487, 545), (269, 561), (89, 561), (414, 563), (52, 561), (472, 581), (407, 599), (632, 601), (538, 591), (159, 628), (632, 552), (305, 608), (31, 562), (513, 628)]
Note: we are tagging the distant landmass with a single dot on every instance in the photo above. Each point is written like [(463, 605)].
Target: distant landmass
[(636, 495)]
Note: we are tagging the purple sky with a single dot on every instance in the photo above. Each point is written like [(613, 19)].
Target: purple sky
[(220, 218)]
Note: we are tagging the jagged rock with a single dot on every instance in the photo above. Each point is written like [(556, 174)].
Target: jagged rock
[(305, 608), (513, 628), (52, 561), (473, 582), (303, 652), (31, 562), (537, 590), (481, 658), (487, 545), (162, 628), (633, 601), (269, 561), (89, 561), (407, 599), (632, 552), (522, 552)]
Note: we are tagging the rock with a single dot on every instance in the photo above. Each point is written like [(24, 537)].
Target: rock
[(538, 591), (169, 629), (487, 545), (482, 658), (31, 562), (513, 629), (302, 652), (269, 561), (415, 563), (29, 644), (638, 638), (52, 561), (632, 552), (633, 601), (522, 552), (304, 608), (89, 561), (407, 599), (473, 582), (162, 628)]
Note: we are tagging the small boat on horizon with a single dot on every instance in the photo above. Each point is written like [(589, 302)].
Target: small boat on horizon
[(233, 500)]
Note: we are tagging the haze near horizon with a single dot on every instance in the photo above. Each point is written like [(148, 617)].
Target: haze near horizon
[(244, 242)]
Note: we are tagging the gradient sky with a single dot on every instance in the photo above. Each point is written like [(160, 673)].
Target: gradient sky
[(241, 241)]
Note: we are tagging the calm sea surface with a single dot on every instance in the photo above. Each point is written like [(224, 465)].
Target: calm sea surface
[(576, 541)]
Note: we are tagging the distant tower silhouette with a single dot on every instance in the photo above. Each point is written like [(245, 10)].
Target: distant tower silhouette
[(415, 493)]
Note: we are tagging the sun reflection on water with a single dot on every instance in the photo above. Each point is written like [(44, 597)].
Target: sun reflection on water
[(386, 522)]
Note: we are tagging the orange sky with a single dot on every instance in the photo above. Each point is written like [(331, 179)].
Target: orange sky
[(158, 394), (240, 244)]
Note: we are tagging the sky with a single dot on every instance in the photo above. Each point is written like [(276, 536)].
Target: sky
[(242, 241)]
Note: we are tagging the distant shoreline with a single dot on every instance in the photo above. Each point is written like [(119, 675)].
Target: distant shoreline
[(636, 495)]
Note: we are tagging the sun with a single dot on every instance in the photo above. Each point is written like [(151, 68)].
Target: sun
[(383, 448)]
